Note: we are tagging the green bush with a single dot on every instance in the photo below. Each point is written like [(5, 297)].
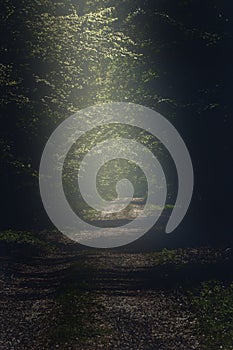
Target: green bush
[(19, 237), (24, 239)]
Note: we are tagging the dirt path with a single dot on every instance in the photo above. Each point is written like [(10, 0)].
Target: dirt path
[(27, 304), (107, 300), (135, 314)]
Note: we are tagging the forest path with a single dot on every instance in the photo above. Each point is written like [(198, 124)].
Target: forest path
[(90, 299), (135, 306)]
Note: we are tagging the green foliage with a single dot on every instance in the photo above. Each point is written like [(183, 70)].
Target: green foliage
[(112, 171), (18, 238), (213, 307), (167, 256), (59, 57)]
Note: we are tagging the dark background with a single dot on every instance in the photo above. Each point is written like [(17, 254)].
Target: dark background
[(186, 49)]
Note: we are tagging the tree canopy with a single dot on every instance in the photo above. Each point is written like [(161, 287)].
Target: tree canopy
[(59, 57)]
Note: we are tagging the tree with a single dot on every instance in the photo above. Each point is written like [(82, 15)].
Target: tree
[(61, 57)]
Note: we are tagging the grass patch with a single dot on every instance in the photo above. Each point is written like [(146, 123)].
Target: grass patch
[(183, 256), (212, 304), (24, 238), (166, 256), (19, 237)]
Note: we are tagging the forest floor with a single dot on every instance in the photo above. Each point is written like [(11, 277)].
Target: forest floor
[(55, 295)]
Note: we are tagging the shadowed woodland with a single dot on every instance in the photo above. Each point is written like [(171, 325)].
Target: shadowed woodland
[(161, 292)]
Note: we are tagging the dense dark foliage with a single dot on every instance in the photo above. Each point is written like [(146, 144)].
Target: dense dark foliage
[(173, 56)]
